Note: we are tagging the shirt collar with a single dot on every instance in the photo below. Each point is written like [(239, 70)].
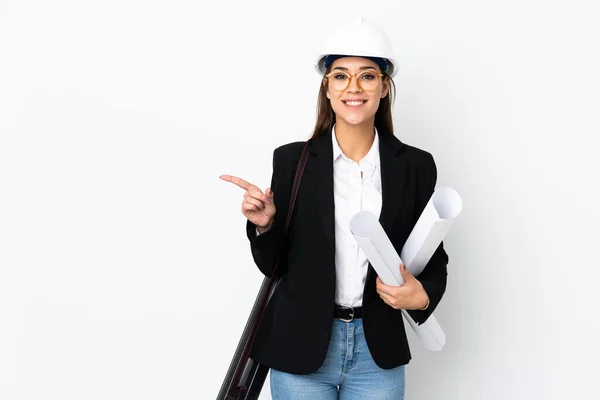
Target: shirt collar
[(372, 156)]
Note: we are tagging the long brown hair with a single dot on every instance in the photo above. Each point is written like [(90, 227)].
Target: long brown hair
[(326, 115)]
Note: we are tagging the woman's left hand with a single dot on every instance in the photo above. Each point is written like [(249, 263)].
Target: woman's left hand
[(410, 296)]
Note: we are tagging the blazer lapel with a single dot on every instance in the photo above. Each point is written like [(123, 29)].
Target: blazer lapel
[(393, 177), (321, 150)]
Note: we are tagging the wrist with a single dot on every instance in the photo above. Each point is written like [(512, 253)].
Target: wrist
[(424, 305), (263, 229)]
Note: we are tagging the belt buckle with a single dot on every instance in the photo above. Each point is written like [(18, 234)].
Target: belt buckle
[(351, 314)]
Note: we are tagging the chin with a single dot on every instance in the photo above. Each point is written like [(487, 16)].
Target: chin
[(354, 119)]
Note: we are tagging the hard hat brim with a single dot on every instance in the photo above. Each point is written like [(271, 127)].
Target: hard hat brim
[(391, 70)]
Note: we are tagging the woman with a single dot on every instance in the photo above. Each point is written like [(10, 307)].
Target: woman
[(333, 329)]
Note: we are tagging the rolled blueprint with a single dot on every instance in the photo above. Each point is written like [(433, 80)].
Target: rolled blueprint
[(434, 223), (432, 226)]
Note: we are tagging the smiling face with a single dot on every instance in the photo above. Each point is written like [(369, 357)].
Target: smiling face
[(356, 104)]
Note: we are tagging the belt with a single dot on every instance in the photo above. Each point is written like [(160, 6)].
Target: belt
[(347, 314)]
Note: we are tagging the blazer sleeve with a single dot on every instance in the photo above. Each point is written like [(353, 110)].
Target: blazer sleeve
[(434, 275), (267, 246)]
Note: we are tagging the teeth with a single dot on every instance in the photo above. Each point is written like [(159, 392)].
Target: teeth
[(354, 103)]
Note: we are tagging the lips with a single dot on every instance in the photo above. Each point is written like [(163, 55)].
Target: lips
[(354, 103)]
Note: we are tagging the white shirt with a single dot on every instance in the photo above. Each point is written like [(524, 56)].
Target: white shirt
[(353, 193), (356, 187)]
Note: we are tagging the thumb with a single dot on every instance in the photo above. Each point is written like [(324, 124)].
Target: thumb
[(269, 193), (405, 272)]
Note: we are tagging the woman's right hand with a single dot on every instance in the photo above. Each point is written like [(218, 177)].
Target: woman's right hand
[(257, 206)]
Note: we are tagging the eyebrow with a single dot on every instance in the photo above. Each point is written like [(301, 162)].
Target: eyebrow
[(361, 68)]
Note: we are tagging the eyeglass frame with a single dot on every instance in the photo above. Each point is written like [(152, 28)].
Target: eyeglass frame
[(379, 75)]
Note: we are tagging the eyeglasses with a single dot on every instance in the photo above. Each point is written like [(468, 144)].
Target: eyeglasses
[(366, 80)]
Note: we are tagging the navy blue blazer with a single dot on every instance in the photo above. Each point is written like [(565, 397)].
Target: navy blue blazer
[(296, 327)]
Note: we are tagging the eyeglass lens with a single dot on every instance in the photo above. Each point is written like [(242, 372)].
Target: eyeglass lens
[(367, 80)]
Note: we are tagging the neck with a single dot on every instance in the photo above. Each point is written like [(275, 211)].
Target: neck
[(355, 140)]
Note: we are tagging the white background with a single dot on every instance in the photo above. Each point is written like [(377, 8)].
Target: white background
[(125, 272)]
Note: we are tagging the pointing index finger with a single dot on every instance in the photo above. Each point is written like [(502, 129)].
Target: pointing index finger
[(237, 181)]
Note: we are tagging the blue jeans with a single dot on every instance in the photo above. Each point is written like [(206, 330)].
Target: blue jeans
[(348, 372)]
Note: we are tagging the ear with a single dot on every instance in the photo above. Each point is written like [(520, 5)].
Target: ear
[(326, 88), (386, 89)]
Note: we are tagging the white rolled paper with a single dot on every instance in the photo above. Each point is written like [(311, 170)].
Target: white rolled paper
[(432, 226), (434, 223)]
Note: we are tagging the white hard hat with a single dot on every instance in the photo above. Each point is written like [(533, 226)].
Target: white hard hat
[(357, 37)]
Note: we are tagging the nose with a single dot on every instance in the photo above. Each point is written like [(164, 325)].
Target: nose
[(353, 85)]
